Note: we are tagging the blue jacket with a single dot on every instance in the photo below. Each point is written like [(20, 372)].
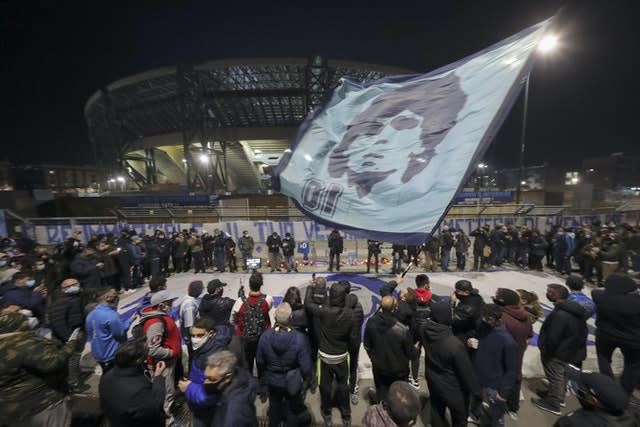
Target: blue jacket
[(281, 350), (586, 303), (106, 331), (199, 401), (24, 297), (496, 360)]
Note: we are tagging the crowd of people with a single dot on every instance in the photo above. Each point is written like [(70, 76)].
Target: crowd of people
[(50, 305)]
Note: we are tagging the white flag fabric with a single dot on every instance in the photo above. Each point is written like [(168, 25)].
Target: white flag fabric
[(385, 159)]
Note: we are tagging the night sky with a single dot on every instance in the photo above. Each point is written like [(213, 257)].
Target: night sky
[(581, 103)]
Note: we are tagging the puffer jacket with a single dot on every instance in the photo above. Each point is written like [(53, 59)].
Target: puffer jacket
[(217, 308), (389, 344), (280, 350), (564, 333), (618, 310)]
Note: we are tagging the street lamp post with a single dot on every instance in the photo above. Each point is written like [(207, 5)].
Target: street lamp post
[(523, 138), (545, 46)]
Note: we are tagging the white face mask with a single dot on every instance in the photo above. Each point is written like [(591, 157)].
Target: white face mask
[(72, 289), (40, 267), (196, 343)]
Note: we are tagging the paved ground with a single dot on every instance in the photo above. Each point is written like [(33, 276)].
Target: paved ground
[(86, 405)]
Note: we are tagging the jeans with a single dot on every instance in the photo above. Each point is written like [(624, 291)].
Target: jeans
[(444, 261), (461, 260), (555, 371), (397, 265), (493, 415), (245, 256), (290, 262)]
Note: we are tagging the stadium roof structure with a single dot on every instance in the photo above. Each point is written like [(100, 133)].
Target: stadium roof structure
[(218, 126)]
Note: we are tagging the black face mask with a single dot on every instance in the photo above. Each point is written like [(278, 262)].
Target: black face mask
[(212, 388), (551, 298), (114, 301)]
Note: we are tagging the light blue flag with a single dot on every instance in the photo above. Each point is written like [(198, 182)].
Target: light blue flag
[(384, 160)]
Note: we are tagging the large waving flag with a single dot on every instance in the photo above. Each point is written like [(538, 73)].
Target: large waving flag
[(384, 160)]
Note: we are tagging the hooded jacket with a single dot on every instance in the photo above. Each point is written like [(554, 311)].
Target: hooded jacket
[(425, 298), (618, 310), (389, 344), (564, 333), (447, 362), (518, 323), (198, 400), (376, 416), (333, 322), (280, 350)]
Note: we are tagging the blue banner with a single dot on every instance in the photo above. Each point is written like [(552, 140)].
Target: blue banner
[(385, 159)]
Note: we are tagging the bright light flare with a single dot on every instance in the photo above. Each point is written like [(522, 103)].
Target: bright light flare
[(548, 43), (204, 158)]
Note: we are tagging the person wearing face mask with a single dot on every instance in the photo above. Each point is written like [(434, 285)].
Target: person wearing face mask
[(164, 342), (128, 397), (23, 292), (28, 364), (105, 330), (495, 362), (6, 270), (234, 388), (562, 340), (65, 315), (44, 274), (603, 402), (206, 339), (246, 244)]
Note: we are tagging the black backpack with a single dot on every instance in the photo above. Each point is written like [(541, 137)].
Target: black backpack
[(253, 324)]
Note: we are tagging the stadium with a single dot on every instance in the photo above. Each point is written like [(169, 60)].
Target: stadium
[(216, 127)]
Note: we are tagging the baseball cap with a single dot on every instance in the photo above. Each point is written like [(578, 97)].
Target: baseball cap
[(215, 284), (464, 285), (609, 393), (161, 296)]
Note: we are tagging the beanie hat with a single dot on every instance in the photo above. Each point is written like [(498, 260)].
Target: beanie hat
[(505, 296)]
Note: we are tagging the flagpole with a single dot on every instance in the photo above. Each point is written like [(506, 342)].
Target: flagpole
[(523, 138)]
